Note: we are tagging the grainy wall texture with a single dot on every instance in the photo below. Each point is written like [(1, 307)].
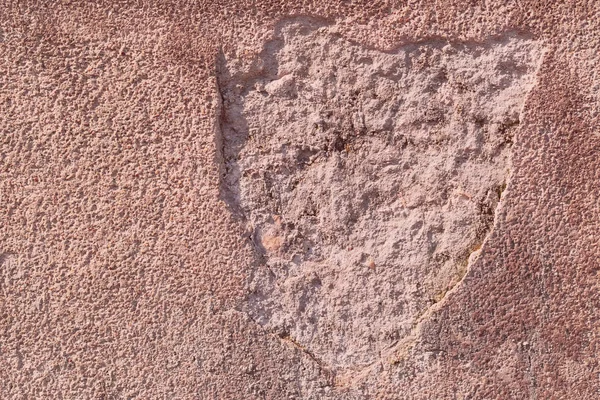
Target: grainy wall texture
[(299, 200)]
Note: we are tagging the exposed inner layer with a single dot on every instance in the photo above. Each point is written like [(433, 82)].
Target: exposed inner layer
[(366, 178)]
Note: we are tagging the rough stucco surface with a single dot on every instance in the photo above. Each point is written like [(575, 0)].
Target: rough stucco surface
[(127, 271)]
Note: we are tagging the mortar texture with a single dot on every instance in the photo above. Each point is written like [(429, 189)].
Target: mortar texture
[(207, 200), (366, 178)]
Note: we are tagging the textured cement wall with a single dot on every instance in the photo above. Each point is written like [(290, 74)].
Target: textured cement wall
[(133, 255)]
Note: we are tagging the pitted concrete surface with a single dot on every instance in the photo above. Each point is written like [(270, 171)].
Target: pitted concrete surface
[(137, 260)]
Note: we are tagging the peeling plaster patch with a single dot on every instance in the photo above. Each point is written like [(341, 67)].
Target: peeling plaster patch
[(366, 178)]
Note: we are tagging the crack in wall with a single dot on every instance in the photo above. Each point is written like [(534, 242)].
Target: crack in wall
[(401, 349), (365, 179), (289, 341)]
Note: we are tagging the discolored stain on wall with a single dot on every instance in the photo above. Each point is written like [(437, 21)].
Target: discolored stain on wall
[(366, 179)]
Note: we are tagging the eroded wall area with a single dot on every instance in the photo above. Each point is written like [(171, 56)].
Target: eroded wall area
[(366, 178)]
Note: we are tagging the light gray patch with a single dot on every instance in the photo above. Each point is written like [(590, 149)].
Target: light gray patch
[(366, 178)]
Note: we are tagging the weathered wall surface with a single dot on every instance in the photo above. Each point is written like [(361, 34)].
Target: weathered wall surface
[(366, 179), (157, 160)]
